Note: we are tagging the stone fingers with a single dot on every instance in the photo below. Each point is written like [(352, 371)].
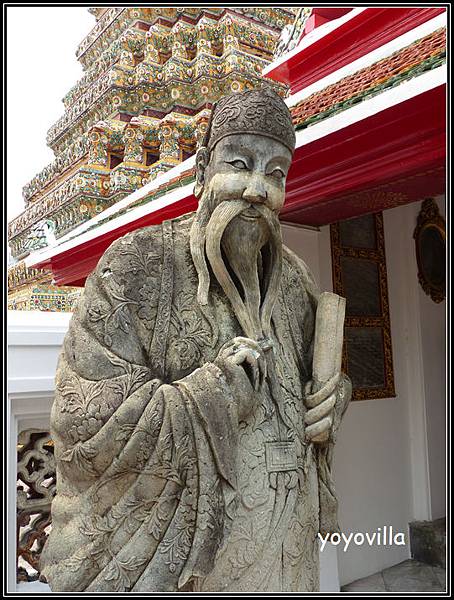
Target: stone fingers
[(323, 437), (322, 410), (241, 350), (313, 400), (249, 356), (240, 343), (321, 427)]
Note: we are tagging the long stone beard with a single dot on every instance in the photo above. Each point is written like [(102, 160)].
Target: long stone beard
[(246, 259)]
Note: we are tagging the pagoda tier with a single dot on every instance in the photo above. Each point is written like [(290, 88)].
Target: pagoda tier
[(142, 106)]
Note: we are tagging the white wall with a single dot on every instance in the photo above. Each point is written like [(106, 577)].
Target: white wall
[(34, 342), (433, 335), (389, 460), (304, 241), (373, 437)]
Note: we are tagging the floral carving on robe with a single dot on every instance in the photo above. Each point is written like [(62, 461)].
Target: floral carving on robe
[(160, 486)]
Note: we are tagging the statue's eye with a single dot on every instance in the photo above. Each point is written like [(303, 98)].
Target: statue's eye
[(277, 174), (238, 164)]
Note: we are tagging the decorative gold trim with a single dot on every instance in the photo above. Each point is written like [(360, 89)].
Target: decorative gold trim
[(429, 218), (383, 321)]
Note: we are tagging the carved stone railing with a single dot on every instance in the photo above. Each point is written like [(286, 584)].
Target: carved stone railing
[(34, 344), (36, 483)]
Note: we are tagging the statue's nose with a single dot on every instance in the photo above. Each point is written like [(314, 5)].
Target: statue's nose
[(255, 192)]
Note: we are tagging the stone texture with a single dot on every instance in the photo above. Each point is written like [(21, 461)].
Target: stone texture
[(372, 583), (411, 576), (183, 393), (428, 542), (441, 576), (407, 576)]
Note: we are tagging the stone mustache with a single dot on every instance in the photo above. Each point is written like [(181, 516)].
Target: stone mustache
[(193, 445)]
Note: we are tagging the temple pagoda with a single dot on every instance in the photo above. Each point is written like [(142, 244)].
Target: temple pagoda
[(151, 76)]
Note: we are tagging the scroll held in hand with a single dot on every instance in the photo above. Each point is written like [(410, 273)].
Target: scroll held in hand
[(327, 359)]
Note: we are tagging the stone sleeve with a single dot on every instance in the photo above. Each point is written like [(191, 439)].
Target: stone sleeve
[(217, 410)]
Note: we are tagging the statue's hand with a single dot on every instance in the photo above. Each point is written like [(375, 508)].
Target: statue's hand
[(319, 416), (244, 365)]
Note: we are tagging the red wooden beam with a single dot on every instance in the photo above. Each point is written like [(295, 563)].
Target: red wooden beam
[(320, 16), (400, 141)]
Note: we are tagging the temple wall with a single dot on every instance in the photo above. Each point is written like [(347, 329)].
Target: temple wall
[(390, 458), (373, 470), (372, 462), (433, 334)]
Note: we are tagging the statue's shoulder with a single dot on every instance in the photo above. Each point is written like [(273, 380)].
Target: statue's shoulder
[(296, 266), (147, 239)]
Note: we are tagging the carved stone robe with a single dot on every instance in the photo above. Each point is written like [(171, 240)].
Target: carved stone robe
[(159, 486)]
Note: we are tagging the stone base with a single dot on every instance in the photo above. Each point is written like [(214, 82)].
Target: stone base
[(407, 576), (428, 542)]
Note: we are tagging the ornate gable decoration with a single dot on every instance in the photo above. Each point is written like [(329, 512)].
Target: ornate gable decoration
[(430, 242)]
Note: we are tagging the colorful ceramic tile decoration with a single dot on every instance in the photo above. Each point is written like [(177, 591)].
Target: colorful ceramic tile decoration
[(426, 53), (30, 289), (151, 76)]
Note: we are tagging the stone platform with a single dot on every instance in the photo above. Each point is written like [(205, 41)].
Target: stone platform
[(428, 542), (407, 576)]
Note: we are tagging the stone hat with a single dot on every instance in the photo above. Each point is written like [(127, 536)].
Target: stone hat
[(261, 111)]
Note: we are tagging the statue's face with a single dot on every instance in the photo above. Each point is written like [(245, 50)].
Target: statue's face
[(248, 167), (241, 189)]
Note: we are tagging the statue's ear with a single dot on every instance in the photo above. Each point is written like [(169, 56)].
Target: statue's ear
[(201, 162)]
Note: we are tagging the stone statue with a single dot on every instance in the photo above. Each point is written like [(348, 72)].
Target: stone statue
[(187, 458)]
